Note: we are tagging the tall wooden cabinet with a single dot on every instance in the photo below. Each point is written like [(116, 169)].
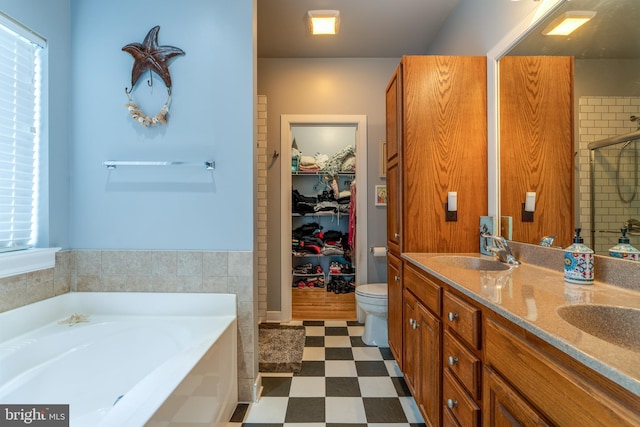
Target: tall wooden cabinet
[(394, 233), (536, 145), (436, 130), (443, 149)]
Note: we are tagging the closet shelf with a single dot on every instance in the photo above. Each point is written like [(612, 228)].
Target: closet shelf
[(316, 255), (324, 213), (322, 173)]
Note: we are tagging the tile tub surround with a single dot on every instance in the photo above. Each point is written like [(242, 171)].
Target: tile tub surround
[(151, 271), (529, 296), (23, 289)]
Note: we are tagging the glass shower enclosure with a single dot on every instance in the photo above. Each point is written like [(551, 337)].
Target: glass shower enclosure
[(615, 190)]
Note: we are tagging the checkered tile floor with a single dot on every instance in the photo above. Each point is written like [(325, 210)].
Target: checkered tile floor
[(342, 382)]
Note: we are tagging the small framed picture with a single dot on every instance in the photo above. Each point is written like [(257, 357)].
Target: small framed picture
[(381, 195)]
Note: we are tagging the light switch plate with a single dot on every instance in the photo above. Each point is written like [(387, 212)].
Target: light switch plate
[(486, 226)]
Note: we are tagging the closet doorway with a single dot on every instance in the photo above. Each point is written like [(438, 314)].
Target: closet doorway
[(316, 276)]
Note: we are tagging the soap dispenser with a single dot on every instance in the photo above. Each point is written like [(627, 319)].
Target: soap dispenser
[(623, 249), (578, 262)]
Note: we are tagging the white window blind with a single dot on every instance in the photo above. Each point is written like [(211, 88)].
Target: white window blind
[(20, 77)]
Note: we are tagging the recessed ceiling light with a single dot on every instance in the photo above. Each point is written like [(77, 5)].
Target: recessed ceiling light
[(568, 22), (323, 21)]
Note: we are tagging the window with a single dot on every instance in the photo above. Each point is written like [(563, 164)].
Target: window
[(20, 82)]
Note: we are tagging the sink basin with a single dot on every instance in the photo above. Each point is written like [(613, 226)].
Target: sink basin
[(616, 325), (471, 263)]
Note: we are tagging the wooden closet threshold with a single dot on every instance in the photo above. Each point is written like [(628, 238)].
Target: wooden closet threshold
[(318, 304)]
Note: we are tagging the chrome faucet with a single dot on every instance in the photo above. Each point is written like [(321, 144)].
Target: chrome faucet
[(501, 249)]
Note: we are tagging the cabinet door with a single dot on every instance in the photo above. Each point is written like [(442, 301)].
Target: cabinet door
[(394, 286), (411, 341), (394, 141), (393, 113), (536, 118), (430, 365), (504, 407), (444, 149)]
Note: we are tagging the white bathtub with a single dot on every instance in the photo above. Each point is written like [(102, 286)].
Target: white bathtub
[(140, 359)]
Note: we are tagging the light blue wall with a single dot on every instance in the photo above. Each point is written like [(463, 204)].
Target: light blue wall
[(51, 19), (211, 117)]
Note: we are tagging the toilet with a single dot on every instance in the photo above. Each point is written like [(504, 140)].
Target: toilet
[(371, 300)]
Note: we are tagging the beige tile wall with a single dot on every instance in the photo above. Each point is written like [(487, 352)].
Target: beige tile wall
[(150, 271), (261, 208), (23, 289)]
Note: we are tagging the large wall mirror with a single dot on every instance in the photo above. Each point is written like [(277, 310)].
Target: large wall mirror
[(597, 85)]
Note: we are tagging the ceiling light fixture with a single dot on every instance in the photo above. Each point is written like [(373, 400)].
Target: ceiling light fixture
[(568, 22), (323, 21)]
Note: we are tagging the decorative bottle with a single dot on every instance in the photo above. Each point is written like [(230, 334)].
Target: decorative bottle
[(578, 262), (623, 249)]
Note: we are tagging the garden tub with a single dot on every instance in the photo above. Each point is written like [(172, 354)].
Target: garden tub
[(123, 358)]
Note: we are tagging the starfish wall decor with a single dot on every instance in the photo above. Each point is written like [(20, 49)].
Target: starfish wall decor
[(148, 55)]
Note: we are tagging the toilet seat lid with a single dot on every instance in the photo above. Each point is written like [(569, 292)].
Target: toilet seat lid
[(378, 290)]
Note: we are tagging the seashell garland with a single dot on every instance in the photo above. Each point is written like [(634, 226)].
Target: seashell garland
[(139, 116)]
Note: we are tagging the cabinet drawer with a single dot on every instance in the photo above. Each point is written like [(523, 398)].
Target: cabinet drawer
[(427, 291), (458, 402), (463, 318), (462, 363)]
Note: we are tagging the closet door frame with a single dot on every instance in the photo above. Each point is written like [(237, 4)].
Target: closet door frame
[(286, 122)]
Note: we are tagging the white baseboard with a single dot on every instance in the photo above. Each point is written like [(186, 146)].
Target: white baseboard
[(274, 316), (257, 388)]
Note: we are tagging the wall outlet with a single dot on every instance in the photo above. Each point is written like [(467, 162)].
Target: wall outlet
[(486, 226)]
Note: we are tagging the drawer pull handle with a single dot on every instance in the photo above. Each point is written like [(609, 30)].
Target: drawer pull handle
[(453, 360), (396, 278), (452, 403), (453, 316), (396, 235)]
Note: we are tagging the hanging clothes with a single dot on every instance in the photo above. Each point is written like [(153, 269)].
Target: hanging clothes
[(352, 218)]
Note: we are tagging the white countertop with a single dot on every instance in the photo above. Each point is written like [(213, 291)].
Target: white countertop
[(529, 296)]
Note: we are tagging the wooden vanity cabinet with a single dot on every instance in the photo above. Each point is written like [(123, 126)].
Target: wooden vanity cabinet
[(461, 362), (524, 384), (423, 343), (441, 360), (481, 369)]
